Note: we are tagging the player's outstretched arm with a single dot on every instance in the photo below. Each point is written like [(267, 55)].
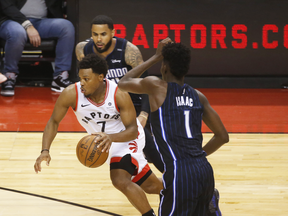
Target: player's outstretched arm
[(66, 99), (133, 57), (130, 82), (213, 121)]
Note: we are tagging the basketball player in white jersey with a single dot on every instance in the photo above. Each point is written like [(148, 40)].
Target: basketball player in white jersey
[(101, 108)]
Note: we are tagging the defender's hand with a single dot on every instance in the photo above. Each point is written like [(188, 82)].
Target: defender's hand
[(161, 45), (143, 118)]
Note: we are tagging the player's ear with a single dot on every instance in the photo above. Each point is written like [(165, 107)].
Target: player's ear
[(101, 77), (113, 32), (165, 69)]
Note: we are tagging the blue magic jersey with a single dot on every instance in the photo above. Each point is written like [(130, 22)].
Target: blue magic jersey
[(115, 60), (176, 125), (188, 179)]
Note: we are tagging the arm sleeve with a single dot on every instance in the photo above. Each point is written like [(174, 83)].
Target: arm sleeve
[(12, 12), (145, 106)]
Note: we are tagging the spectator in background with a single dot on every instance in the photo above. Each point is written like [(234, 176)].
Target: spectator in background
[(33, 20)]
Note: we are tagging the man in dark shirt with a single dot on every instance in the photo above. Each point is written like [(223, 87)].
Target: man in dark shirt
[(177, 111), (33, 20)]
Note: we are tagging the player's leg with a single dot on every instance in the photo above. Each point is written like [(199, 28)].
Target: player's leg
[(214, 209), (121, 180), (152, 185), (121, 172), (207, 188), (151, 153)]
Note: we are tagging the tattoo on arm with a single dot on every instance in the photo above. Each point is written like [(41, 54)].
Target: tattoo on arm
[(133, 56), (80, 50)]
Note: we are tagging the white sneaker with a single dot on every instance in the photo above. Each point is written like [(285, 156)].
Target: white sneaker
[(60, 82)]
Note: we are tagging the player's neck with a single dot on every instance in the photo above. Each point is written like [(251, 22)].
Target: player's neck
[(170, 78), (99, 95)]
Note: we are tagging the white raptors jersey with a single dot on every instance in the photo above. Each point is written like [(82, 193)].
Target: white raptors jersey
[(105, 117), (102, 117)]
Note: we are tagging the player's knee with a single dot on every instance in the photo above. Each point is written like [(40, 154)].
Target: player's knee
[(153, 187), (119, 182)]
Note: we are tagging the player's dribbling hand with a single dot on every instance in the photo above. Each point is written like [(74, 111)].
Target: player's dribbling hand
[(45, 156), (104, 141), (161, 45)]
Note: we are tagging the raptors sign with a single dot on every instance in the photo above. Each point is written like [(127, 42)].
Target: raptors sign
[(198, 35), (226, 37)]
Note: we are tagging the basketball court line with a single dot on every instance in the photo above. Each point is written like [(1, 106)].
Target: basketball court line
[(50, 205)]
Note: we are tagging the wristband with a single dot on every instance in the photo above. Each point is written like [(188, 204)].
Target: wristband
[(143, 116), (45, 150), (26, 24)]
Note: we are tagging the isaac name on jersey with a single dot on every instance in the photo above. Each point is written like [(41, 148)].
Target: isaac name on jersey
[(184, 101)]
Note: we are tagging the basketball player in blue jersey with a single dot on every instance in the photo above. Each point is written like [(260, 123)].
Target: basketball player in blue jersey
[(121, 56), (177, 111), (101, 108)]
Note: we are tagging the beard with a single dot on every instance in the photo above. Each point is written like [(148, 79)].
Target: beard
[(106, 47)]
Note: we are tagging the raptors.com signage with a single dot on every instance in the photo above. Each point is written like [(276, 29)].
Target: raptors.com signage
[(198, 35), (226, 37)]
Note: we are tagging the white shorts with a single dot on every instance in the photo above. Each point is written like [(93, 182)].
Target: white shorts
[(135, 148)]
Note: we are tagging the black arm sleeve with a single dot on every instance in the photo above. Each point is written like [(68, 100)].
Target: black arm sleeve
[(145, 106), (12, 12)]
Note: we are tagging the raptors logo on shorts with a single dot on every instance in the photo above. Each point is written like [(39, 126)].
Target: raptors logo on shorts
[(133, 146)]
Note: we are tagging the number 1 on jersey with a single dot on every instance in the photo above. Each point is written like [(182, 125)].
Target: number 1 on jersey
[(187, 125)]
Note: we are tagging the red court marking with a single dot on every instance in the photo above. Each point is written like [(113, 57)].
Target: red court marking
[(241, 110)]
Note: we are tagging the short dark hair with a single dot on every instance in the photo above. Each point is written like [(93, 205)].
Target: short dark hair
[(103, 19), (177, 56), (96, 62)]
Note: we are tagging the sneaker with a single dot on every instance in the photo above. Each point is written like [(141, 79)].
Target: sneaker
[(3, 78), (60, 82), (214, 204), (9, 85)]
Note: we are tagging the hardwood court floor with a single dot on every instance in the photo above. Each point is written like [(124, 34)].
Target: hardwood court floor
[(250, 173)]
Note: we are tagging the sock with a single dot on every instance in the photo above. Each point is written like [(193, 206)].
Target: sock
[(149, 213)]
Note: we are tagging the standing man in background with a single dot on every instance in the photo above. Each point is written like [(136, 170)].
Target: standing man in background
[(33, 20), (177, 111)]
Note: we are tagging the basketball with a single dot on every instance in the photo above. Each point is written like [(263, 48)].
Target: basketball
[(89, 154)]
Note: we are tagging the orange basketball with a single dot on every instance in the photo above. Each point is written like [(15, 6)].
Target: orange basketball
[(88, 153)]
